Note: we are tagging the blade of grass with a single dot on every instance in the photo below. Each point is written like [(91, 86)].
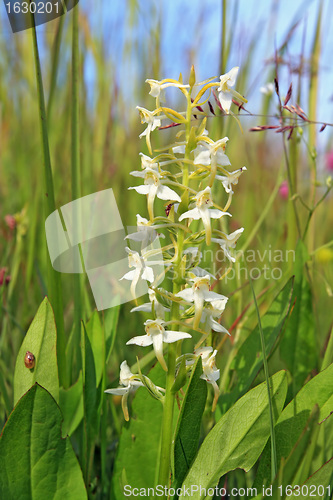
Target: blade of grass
[(76, 172), (271, 418), (55, 65), (54, 279), (313, 99)]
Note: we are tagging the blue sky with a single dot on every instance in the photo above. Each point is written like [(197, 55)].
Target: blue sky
[(190, 32)]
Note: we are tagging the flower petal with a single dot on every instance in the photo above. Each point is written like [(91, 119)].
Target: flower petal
[(217, 214), (119, 391), (210, 296), (186, 294), (217, 327), (148, 274), (129, 276), (191, 214), (170, 336), (144, 189), (165, 193), (142, 340), (158, 348)]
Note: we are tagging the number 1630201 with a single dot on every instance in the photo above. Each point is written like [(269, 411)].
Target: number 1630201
[(32, 7)]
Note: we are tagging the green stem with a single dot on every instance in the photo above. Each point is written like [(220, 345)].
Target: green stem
[(224, 38), (54, 278), (76, 173), (167, 422), (55, 65), (313, 99)]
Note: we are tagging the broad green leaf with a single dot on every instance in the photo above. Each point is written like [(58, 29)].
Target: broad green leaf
[(137, 458), (71, 404), (318, 485), (249, 359), (293, 419), (41, 341), (110, 329), (35, 462), (189, 423), (95, 333), (238, 438), (298, 347)]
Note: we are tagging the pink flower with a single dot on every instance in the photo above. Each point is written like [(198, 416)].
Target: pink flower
[(10, 221), (329, 161), (284, 190)]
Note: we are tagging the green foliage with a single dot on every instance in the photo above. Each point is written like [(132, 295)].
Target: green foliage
[(189, 424), (41, 341), (248, 359), (296, 419), (298, 347), (35, 462), (239, 437)]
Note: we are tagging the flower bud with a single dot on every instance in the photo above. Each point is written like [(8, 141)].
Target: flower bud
[(191, 80)]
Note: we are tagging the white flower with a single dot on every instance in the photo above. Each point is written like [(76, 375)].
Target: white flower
[(229, 241), (199, 293), (130, 384), (210, 373), (230, 178), (141, 269), (148, 306), (147, 162), (156, 335), (145, 232), (225, 92), (267, 89), (213, 310), (152, 123), (153, 187), (203, 211), (208, 153), (157, 88)]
